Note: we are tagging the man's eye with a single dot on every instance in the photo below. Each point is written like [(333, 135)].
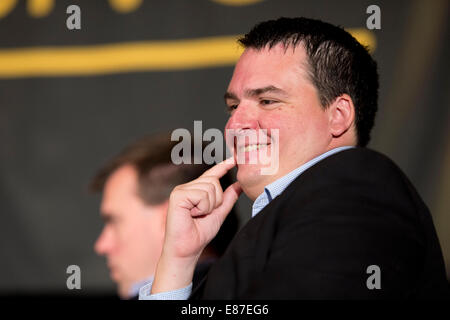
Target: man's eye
[(267, 102), (232, 107), (109, 220)]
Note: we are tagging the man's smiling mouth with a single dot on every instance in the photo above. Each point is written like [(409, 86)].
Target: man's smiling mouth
[(252, 147)]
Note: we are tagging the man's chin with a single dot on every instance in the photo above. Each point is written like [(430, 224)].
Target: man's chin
[(123, 290), (249, 175), (252, 171), (114, 275)]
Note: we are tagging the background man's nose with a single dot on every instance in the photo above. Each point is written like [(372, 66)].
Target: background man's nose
[(104, 242)]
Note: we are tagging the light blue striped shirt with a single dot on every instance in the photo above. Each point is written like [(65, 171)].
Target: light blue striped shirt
[(134, 290), (271, 191)]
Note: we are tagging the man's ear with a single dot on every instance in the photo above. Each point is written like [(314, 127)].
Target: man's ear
[(341, 114)]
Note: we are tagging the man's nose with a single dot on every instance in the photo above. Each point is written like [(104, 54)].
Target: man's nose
[(104, 242), (245, 116)]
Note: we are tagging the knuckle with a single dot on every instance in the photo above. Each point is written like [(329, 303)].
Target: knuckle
[(211, 187), (174, 192), (204, 194)]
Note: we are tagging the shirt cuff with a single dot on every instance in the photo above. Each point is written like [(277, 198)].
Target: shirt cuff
[(179, 294)]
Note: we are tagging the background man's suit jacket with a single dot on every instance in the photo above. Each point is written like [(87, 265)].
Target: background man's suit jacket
[(315, 240)]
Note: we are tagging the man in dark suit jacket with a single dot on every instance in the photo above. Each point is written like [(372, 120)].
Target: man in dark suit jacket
[(316, 240), (334, 220)]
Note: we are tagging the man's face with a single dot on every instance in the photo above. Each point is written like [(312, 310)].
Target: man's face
[(270, 90), (133, 234)]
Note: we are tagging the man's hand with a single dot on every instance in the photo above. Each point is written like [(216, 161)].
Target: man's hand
[(196, 211)]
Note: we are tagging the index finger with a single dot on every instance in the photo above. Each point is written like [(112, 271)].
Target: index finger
[(220, 169)]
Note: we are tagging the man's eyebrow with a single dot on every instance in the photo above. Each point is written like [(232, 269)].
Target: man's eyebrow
[(256, 92), (230, 95), (269, 89)]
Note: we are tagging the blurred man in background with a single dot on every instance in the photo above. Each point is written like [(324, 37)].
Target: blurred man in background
[(136, 185)]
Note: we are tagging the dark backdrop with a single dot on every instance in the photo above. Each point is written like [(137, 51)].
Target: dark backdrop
[(57, 128)]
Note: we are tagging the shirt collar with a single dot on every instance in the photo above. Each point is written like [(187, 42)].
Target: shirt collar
[(274, 189), (134, 290)]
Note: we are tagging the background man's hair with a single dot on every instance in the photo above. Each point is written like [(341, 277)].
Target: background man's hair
[(338, 63), (158, 175)]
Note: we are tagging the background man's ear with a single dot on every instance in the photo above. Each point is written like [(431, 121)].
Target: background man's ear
[(342, 115)]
